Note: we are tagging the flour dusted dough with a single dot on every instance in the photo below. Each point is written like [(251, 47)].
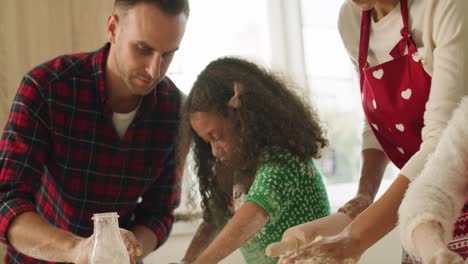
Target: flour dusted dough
[(320, 258)]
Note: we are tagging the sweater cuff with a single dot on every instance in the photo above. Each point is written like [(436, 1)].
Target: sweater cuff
[(419, 207), (161, 227), (413, 168), (269, 205)]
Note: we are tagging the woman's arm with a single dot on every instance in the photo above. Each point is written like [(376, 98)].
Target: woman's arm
[(380, 218), (366, 229), (244, 225), (373, 167)]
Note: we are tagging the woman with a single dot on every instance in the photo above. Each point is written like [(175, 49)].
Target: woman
[(411, 59)]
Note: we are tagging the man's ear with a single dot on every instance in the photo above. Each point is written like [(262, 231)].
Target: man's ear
[(234, 102), (112, 23)]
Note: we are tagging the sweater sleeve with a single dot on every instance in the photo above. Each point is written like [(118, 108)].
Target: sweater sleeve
[(440, 191), (446, 31)]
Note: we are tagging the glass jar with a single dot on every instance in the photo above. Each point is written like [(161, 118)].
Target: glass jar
[(108, 246)]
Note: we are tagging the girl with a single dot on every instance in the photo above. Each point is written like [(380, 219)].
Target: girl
[(411, 58), (253, 142)]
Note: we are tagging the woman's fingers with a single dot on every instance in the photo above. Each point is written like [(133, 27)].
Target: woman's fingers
[(444, 256), (333, 250), (279, 248)]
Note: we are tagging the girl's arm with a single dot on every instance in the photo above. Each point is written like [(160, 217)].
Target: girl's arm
[(206, 232), (380, 218), (244, 225)]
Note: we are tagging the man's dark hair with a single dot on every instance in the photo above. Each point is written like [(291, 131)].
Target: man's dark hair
[(171, 7)]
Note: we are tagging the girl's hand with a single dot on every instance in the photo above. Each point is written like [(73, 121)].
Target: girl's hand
[(339, 249)]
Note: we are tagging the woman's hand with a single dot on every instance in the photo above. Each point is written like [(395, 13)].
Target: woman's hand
[(300, 235), (444, 256), (430, 244), (338, 249), (356, 205)]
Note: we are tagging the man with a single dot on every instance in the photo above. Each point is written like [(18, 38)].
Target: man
[(95, 132)]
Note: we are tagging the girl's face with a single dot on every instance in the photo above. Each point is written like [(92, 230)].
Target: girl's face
[(364, 4), (216, 130)]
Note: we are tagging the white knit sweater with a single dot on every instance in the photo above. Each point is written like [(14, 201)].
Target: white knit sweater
[(436, 27), (441, 190)]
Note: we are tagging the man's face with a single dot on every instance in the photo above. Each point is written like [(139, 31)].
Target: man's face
[(144, 41)]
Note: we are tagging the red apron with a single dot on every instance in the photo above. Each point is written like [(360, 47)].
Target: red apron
[(394, 95)]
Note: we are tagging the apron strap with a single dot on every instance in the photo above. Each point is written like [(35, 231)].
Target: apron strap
[(364, 43), (399, 49), (407, 41)]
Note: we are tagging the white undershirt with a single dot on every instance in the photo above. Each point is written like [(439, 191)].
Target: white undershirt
[(441, 42), (122, 121)]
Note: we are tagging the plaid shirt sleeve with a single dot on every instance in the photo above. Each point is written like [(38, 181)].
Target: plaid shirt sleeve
[(156, 210), (23, 149)]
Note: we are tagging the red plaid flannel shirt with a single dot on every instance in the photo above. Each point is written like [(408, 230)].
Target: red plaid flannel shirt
[(61, 157)]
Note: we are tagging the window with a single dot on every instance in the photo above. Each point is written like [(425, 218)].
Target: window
[(299, 38), (334, 87), (218, 28)]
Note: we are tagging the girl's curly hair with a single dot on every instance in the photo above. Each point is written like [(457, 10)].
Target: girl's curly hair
[(270, 115)]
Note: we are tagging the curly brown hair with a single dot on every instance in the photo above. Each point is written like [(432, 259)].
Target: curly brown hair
[(270, 115)]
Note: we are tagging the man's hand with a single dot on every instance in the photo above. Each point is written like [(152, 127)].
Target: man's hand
[(132, 245), (82, 250), (84, 246)]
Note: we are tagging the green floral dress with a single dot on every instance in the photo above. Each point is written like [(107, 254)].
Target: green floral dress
[(291, 192)]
